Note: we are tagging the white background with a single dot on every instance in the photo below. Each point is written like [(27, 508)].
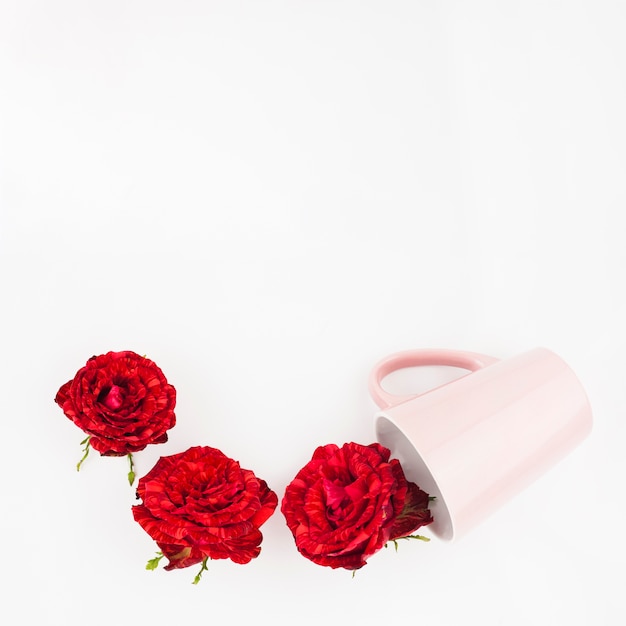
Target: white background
[(266, 198)]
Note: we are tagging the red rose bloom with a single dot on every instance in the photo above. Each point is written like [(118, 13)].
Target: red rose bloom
[(347, 503), (201, 504), (122, 401)]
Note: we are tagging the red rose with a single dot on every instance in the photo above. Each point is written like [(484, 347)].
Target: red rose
[(201, 504), (122, 401), (347, 503)]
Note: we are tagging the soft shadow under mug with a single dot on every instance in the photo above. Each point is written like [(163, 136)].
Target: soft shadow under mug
[(475, 442)]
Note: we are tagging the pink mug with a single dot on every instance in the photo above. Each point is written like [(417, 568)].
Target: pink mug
[(475, 442)]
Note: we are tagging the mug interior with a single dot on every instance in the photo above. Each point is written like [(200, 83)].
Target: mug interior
[(416, 471)]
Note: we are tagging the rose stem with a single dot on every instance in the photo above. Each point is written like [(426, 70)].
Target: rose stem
[(196, 580), (131, 474), (84, 442)]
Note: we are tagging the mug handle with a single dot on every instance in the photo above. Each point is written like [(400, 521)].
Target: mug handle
[(471, 361)]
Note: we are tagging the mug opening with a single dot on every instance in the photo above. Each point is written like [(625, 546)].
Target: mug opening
[(416, 471)]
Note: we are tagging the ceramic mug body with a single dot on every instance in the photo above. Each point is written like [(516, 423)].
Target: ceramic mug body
[(479, 440)]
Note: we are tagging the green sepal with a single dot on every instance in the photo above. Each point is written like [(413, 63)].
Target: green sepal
[(152, 564), (395, 541)]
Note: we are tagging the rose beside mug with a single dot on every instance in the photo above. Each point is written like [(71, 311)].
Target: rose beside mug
[(477, 441)]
